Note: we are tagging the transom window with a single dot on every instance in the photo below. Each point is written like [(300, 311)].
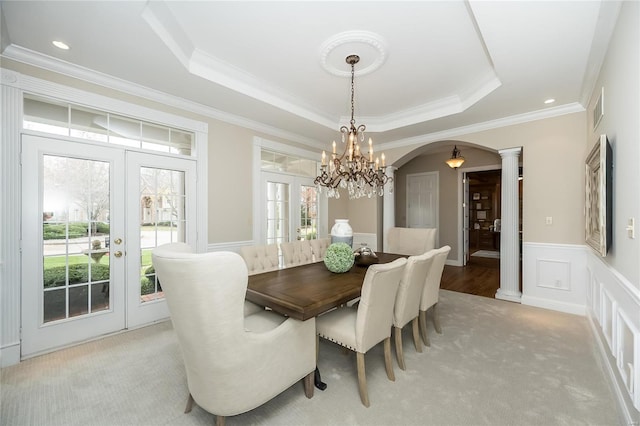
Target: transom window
[(62, 118)]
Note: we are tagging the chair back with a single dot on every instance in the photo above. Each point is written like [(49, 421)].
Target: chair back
[(205, 295), (407, 304), (375, 310), (410, 241), (319, 248), (296, 253), (431, 290), (260, 258), (229, 369)]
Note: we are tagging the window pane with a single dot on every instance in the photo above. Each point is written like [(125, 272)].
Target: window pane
[(75, 230), (88, 124)]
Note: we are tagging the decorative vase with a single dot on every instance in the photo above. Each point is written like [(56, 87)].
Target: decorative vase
[(339, 258), (364, 256), (342, 232)]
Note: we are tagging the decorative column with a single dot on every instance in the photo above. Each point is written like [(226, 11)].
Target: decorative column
[(510, 228), (10, 213), (388, 206)]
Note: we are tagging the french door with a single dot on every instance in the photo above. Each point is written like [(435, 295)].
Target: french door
[(290, 208), (90, 218)]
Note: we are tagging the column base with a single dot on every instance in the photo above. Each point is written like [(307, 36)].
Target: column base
[(511, 296)]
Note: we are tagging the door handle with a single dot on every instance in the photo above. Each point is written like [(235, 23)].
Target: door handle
[(118, 254)]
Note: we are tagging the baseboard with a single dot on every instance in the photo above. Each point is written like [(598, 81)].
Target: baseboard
[(569, 308), (10, 355)]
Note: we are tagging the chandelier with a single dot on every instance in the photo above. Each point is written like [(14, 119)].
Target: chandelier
[(353, 170), (456, 159)]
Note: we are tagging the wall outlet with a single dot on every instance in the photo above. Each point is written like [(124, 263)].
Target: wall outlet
[(631, 228)]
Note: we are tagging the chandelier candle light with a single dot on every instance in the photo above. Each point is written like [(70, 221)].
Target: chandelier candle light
[(353, 170)]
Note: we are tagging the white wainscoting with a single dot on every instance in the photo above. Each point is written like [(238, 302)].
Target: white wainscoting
[(370, 239), (613, 307), (554, 276), (573, 279), (233, 246)]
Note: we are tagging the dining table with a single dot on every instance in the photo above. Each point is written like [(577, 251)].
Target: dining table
[(306, 291)]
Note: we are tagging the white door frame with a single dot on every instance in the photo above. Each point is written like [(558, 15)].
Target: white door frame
[(39, 336), (138, 313), (461, 172)]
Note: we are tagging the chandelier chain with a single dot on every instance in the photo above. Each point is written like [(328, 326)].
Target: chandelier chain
[(356, 172)]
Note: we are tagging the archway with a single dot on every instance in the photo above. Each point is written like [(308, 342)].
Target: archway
[(432, 156)]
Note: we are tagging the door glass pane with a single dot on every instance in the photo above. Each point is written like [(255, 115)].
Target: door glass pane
[(308, 213), (277, 212), (162, 220), (75, 232)]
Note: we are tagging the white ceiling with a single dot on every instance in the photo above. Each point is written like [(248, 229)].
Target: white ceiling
[(426, 66)]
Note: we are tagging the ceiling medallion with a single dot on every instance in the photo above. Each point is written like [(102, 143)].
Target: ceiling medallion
[(372, 48)]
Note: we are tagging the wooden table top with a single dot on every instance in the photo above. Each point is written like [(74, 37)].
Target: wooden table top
[(306, 291)]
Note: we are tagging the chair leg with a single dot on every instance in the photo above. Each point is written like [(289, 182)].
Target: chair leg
[(362, 380), (423, 327), (387, 359), (219, 420), (416, 334), (308, 384), (436, 318), (189, 404), (397, 332)]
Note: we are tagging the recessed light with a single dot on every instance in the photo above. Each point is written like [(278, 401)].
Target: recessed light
[(60, 45), (549, 101)]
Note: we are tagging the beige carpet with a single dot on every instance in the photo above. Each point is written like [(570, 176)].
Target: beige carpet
[(496, 363)]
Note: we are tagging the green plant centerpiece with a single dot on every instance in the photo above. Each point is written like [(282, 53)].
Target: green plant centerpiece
[(339, 258)]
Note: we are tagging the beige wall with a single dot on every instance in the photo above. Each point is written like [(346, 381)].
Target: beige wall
[(619, 77), (553, 170), (448, 189)]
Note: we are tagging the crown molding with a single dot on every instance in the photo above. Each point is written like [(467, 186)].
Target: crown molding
[(36, 59), (487, 125)]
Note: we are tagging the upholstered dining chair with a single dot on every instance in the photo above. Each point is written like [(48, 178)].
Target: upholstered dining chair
[(233, 363), (260, 258), (249, 307), (407, 306), (361, 328), (410, 241), (296, 253), (319, 248), (431, 292)]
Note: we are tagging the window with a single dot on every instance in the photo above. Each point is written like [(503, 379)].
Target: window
[(65, 119)]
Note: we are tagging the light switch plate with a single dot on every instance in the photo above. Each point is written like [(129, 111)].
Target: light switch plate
[(631, 228)]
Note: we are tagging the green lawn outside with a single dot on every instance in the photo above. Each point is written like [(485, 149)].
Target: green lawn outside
[(53, 261)]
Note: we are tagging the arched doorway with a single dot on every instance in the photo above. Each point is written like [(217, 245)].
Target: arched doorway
[(431, 158)]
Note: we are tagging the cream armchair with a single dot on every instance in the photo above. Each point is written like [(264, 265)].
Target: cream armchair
[(249, 307), (319, 248), (296, 253), (362, 328), (410, 241), (260, 258), (407, 307), (233, 363), (431, 293)]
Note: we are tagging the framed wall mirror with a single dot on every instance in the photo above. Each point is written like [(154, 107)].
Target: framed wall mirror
[(599, 192)]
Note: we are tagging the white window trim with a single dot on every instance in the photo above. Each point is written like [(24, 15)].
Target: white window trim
[(258, 145), (14, 86)]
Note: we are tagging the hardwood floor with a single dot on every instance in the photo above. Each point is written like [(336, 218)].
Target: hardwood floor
[(481, 276)]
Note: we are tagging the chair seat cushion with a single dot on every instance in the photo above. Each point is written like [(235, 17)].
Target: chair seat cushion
[(262, 321), (338, 326)]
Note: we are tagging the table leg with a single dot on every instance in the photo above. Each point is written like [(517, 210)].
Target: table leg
[(317, 380)]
